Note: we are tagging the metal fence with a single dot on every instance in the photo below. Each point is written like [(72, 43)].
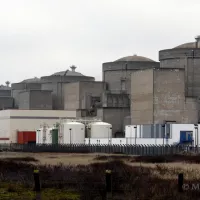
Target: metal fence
[(151, 150)]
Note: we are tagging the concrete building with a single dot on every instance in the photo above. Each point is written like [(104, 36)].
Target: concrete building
[(117, 74), (116, 99), (6, 101), (54, 83), (12, 121), (164, 94), (158, 96), (84, 96), (21, 87), (91, 99), (35, 100), (114, 116), (187, 57)]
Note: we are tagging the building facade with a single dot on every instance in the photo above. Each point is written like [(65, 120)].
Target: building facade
[(158, 96), (12, 121), (187, 57), (117, 74)]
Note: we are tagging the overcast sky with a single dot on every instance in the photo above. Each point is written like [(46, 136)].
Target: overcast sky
[(40, 37)]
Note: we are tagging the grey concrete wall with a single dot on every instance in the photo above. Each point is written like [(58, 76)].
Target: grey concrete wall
[(40, 100), (192, 74), (114, 72), (78, 95), (178, 53), (35, 100), (115, 100), (66, 79), (169, 95), (15, 95), (165, 101), (88, 90), (5, 93), (24, 100), (26, 86), (72, 96), (20, 87), (127, 121), (52, 87), (191, 111), (57, 94), (142, 97), (54, 83), (188, 59), (6, 103), (114, 116)]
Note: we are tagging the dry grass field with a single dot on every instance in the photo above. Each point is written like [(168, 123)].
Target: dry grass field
[(54, 158), (133, 177)]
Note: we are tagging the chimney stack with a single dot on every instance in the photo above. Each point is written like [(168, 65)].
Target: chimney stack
[(197, 41), (7, 83), (73, 68)]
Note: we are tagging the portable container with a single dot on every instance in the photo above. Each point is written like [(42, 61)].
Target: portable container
[(25, 137)]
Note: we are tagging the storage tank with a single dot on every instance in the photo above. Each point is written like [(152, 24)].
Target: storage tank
[(48, 139), (101, 130), (39, 136), (74, 133)]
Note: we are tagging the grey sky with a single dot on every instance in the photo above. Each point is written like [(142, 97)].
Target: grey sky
[(40, 37)]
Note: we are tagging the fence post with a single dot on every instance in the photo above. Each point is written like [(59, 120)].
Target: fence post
[(180, 182), (37, 187), (108, 184)]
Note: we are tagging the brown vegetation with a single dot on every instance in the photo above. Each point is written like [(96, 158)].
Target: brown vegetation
[(129, 182)]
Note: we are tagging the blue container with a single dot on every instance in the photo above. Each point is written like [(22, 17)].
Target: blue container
[(186, 136)]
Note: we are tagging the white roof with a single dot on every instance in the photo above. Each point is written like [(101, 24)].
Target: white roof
[(74, 123), (101, 123)]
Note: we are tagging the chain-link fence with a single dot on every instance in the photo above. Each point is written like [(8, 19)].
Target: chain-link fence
[(141, 150)]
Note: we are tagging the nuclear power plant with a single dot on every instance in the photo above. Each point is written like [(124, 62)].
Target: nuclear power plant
[(134, 90)]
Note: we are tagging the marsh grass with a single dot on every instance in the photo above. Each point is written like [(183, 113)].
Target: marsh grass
[(87, 182), (16, 191), (20, 159)]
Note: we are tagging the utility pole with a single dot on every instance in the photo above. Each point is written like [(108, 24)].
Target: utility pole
[(163, 126), (196, 136), (135, 127)]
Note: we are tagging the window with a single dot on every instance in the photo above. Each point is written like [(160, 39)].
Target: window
[(95, 101), (147, 131), (156, 131)]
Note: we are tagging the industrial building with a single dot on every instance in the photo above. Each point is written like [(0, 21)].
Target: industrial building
[(171, 93), (91, 99), (100, 133), (134, 90), (117, 74), (6, 101), (14, 121), (158, 97), (185, 56), (53, 83)]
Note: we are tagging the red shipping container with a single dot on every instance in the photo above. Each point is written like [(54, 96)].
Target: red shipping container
[(24, 137)]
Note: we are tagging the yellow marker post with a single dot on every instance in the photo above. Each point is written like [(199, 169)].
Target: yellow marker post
[(37, 184), (108, 184)]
